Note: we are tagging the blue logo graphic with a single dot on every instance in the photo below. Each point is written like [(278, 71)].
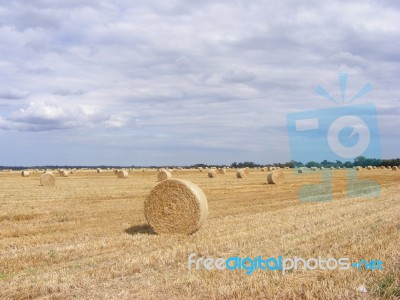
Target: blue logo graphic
[(340, 133)]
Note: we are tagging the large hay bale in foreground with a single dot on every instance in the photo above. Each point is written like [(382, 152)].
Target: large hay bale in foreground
[(164, 175), (25, 173), (276, 177), (122, 174), (47, 179), (212, 173), (176, 206), (241, 173)]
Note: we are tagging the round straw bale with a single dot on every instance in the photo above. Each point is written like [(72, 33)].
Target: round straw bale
[(25, 173), (394, 168), (164, 175), (240, 173), (358, 168), (369, 167), (212, 173), (176, 206), (299, 170), (64, 173), (47, 179), (99, 170), (221, 171), (122, 174), (276, 177)]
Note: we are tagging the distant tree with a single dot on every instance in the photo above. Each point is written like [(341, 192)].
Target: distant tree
[(348, 164), (311, 164)]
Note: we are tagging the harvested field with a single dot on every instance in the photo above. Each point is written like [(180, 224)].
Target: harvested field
[(87, 237)]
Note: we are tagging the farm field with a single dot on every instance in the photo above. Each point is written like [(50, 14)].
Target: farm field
[(87, 238)]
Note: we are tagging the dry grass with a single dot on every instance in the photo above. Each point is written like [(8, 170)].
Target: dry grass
[(87, 238)]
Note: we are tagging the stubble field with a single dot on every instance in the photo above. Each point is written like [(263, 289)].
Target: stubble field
[(87, 238)]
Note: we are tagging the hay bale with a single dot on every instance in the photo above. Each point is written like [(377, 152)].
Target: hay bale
[(212, 173), (164, 175), (300, 171), (176, 206), (47, 179), (25, 173), (99, 170), (64, 173), (369, 167), (394, 168), (221, 171), (241, 173), (276, 177), (358, 168), (122, 174)]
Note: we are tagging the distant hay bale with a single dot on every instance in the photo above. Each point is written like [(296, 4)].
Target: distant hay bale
[(47, 179), (314, 168), (358, 168), (221, 171), (25, 173), (300, 170), (176, 206), (212, 173), (122, 174), (164, 175), (369, 167), (241, 173), (200, 169), (64, 173), (99, 170), (394, 168), (247, 170), (276, 177)]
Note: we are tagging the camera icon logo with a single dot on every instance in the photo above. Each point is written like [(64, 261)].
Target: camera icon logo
[(341, 133)]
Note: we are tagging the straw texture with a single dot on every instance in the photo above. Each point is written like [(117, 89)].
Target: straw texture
[(47, 179), (276, 177), (164, 175), (176, 206)]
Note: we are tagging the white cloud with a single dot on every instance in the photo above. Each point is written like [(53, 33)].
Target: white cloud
[(41, 116)]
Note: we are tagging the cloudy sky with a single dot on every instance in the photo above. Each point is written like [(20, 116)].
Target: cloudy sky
[(183, 82)]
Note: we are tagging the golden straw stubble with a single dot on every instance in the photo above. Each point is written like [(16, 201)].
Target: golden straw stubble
[(176, 206), (47, 179), (276, 177)]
